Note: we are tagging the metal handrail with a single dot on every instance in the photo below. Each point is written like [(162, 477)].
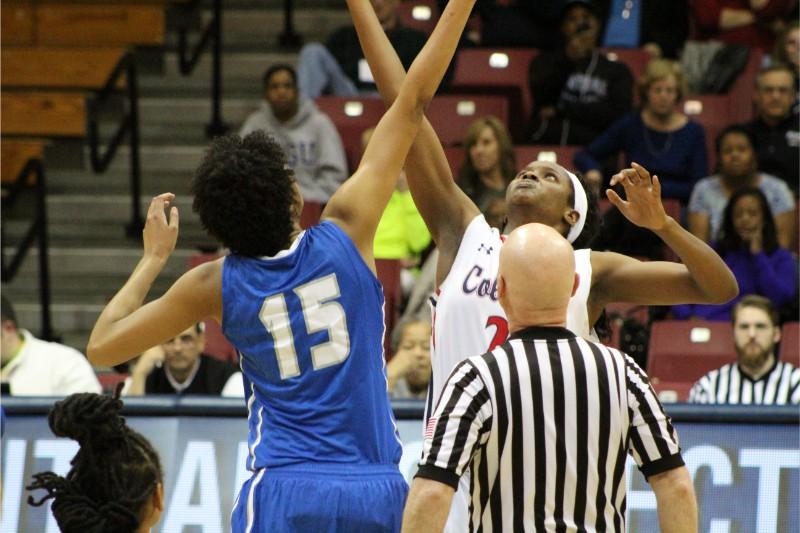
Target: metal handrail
[(36, 232), (188, 59), (129, 125)]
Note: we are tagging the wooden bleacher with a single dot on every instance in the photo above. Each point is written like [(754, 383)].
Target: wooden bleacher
[(47, 67), (14, 154), (47, 114)]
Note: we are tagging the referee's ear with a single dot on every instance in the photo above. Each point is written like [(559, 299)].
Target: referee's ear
[(575, 284)]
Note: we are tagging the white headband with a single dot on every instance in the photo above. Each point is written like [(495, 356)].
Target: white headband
[(581, 206)]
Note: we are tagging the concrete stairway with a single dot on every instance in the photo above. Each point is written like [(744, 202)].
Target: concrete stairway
[(90, 256)]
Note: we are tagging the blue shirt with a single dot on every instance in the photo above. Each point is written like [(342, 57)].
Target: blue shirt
[(678, 158), (308, 324)]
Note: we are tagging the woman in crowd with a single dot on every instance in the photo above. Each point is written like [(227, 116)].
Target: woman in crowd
[(489, 165), (748, 243), (737, 170), (115, 483), (658, 136)]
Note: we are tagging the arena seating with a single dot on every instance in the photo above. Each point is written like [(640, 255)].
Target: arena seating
[(685, 350), (352, 116), (49, 114), (388, 272), (419, 14), (451, 115), (14, 154), (562, 155), (498, 71), (790, 343), (634, 58), (713, 112)]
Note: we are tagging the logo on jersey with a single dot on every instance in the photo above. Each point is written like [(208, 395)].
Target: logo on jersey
[(477, 283), (486, 249)]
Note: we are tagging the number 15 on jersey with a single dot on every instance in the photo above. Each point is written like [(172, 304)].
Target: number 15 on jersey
[(321, 312)]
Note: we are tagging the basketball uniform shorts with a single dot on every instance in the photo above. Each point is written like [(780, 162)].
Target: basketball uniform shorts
[(321, 498)]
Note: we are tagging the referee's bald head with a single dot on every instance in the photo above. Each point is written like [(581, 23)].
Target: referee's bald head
[(536, 277)]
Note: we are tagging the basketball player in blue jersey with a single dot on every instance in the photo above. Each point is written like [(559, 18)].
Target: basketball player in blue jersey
[(304, 310)]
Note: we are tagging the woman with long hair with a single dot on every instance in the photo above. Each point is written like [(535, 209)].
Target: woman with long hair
[(658, 136), (115, 483), (489, 165), (749, 245)]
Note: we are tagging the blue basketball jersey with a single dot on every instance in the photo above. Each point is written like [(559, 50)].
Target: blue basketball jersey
[(308, 324)]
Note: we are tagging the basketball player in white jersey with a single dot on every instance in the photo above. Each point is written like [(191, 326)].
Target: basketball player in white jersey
[(467, 317)]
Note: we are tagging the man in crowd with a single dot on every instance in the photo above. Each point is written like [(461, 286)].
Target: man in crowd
[(757, 377), (776, 129), (546, 420), (313, 147), (179, 366), (338, 67), (33, 367), (409, 371), (577, 91)]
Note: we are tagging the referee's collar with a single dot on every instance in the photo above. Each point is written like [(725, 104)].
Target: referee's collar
[(549, 333)]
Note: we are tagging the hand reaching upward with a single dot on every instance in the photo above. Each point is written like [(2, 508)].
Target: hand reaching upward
[(642, 205)]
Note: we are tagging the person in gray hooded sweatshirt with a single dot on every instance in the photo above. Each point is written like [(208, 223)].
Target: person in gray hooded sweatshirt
[(312, 145)]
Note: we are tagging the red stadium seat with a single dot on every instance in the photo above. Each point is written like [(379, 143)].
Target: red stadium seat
[(713, 111), (685, 350), (498, 71), (419, 14), (741, 92), (451, 115), (562, 155), (455, 157), (310, 214), (352, 116), (673, 391), (790, 343), (110, 380), (216, 343), (388, 272), (635, 59)]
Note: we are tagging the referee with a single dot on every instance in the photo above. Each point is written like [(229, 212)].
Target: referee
[(546, 420)]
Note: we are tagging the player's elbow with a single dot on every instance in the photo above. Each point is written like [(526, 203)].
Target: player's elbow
[(727, 289), (99, 353)]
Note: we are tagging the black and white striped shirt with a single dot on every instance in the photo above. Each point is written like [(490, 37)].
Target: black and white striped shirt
[(545, 423), (728, 385)]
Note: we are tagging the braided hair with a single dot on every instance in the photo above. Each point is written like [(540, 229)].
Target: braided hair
[(113, 474)]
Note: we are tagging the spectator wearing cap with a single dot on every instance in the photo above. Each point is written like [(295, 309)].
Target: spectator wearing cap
[(576, 90)]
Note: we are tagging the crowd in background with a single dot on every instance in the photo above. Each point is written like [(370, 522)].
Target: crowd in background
[(745, 206)]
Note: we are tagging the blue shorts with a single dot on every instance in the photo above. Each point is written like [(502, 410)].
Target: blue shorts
[(321, 498)]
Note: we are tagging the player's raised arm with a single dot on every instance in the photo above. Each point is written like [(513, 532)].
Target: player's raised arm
[(358, 205), (443, 205)]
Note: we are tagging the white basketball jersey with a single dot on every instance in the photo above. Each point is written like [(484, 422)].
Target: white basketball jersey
[(468, 319)]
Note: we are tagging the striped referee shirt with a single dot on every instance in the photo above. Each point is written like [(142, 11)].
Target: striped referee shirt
[(729, 385), (545, 423)]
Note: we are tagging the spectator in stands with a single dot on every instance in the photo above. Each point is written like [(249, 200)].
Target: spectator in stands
[(737, 170), (577, 92), (659, 136), (660, 28), (517, 23), (33, 367), (757, 377), (489, 165), (776, 128), (115, 482), (338, 67), (409, 371), (749, 246), (787, 52), (312, 145), (179, 366), (748, 22)]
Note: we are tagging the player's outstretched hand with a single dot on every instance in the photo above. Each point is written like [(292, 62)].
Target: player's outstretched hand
[(642, 205), (160, 234)]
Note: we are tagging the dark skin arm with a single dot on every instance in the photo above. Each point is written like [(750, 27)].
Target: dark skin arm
[(702, 277), (447, 211)]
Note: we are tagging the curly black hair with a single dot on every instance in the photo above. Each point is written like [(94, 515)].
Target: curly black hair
[(243, 194), (591, 228), (113, 474)]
